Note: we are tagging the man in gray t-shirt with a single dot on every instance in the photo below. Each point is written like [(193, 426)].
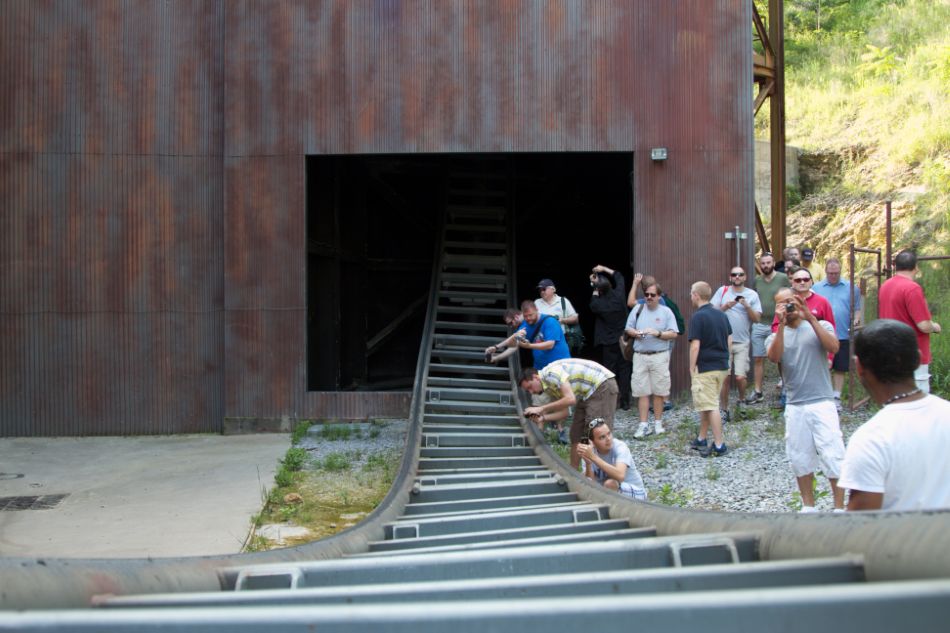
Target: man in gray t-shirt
[(742, 307), (812, 430)]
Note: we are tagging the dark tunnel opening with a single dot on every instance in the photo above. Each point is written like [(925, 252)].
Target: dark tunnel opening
[(372, 227)]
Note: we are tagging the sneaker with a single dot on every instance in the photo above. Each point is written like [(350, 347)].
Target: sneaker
[(779, 384), (714, 450), (642, 431), (838, 403), (725, 415), (698, 444), (667, 405), (781, 402), (755, 397), (808, 510), (562, 437), (658, 428)]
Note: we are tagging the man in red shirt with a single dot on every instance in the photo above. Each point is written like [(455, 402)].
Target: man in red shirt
[(801, 285), (901, 298)]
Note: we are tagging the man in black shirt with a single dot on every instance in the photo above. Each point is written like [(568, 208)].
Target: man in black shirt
[(608, 302)]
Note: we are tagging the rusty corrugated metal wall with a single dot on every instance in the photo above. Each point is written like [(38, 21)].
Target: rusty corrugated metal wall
[(153, 177), (111, 251)]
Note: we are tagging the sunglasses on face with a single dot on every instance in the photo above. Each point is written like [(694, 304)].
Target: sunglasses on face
[(737, 274), (801, 280), (650, 294)]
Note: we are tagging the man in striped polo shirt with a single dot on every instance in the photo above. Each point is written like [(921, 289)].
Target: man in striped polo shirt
[(572, 382)]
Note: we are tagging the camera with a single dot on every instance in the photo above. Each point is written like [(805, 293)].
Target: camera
[(789, 307), (584, 440), (739, 297)]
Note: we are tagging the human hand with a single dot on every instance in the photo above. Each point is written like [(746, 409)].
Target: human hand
[(599, 269), (584, 451), (936, 327)]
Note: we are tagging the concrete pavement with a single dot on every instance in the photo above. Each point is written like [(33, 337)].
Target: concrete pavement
[(135, 497)]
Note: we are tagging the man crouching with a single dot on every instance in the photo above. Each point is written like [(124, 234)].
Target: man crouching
[(609, 461)]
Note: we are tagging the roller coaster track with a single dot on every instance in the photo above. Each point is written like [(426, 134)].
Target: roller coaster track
[(486, 529)]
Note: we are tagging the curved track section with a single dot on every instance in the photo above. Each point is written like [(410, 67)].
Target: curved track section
[(486, 529)]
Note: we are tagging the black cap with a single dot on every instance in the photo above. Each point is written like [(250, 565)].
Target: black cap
[(544, 283)]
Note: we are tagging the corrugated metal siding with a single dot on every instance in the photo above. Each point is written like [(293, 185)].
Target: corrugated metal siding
[(154, 153), (111, 262)]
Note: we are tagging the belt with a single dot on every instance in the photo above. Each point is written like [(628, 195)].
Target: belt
[(648, 353)]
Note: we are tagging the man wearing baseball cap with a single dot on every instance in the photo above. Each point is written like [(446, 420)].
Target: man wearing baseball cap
[(808, 256)]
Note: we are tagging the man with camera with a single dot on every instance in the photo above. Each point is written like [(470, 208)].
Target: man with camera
[(609, 461), (652, 327), (585, 385), (608, 304), (802, 343), (743, 308)]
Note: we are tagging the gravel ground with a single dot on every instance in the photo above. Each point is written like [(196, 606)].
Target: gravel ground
[(357, 441), (754, 476)]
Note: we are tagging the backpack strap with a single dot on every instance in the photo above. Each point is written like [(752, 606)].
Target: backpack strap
[(537, 327)]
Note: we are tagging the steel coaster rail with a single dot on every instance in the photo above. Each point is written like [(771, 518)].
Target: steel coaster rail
[(520, 569)]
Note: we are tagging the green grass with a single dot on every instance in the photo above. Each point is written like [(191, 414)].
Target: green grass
[(868, 81), (337, 432), (300, 431), (335, 462)]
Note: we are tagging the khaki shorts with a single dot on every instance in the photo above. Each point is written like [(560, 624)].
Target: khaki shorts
[(601, 404), (651, 375), (739, 358), (706, 387)]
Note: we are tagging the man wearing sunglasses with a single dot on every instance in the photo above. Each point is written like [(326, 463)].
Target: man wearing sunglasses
[(609, 461), (651, 327), (585, 385), (812, 429), (743, 308), (816, 304)]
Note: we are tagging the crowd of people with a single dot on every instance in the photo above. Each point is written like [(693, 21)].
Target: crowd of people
[(804, 327)]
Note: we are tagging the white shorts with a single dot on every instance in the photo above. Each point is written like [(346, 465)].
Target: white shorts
[(922, 378), (739, 358), (651, 375), (813, 438)]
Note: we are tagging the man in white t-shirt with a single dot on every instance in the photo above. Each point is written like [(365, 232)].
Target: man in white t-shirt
[(897, 460), (552, 304), (743, 308)]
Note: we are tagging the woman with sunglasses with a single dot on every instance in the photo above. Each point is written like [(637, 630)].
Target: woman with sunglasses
[(609, 461)]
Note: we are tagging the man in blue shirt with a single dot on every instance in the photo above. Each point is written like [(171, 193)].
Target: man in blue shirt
[(841, 295), (710, 339), (543, 336)]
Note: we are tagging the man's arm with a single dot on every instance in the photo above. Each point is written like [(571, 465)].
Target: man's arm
[(777, 348), (632, 295), (555, 410), (543, 345), (863, 500), (829, 340), (570, 314), (928, 327), (693, 355), (589, 454)]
